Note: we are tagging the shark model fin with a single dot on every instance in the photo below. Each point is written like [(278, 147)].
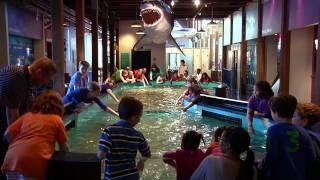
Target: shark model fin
[(172, 41), (144, 40)]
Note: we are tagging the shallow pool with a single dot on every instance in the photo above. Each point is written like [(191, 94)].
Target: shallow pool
[(162, 124)]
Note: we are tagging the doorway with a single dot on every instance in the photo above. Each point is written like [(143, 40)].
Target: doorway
[(141, 59)]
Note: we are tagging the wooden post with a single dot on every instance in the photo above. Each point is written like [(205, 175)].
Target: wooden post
[(105, 43), (4, 35), (111, 31), (216, 51), (261, 60), (243, 56), (285, 50), (80, 30), (94, 31), (317, 73), (58, 44), (117, 44)]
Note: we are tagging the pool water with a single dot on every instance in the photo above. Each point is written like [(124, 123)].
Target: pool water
[(162, 124)]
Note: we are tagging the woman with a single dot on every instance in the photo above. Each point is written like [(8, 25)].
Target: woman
[(258, 103)]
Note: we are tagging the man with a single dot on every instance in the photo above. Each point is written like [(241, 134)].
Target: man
[(18, 90), (183, 67)]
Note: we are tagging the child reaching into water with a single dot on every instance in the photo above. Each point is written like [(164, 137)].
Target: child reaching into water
[(214, 147), (87, 95), (187, 159), (32, 138), (107, 86)]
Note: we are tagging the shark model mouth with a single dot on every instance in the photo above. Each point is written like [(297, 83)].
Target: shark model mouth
[(150, 16)]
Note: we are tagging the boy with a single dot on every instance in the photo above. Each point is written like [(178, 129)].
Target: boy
[(120, 142), (289, 151), (79, 79)]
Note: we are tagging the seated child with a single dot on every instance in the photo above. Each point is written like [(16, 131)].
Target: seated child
[(87, 95), (205, 78), (187, 92), (234, 141), (80, 78), (214, 147), (195, 91), (289, 150), (187, 159), (32, 138), (154, 72), (140, 77), (130, 77), (198, 75), (119, 143), (160, 79), (107, 86)]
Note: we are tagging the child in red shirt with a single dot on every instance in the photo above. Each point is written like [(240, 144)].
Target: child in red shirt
[(214, 147), (187, 159), (32, 138)]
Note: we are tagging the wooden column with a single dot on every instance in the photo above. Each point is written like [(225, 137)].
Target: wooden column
[(58, 44), (243, 56), (285, 49), (117, 44), (80, 30), (216, 51), (261, 57), (111, 31), (105, 43), (94, 31), (317, 73), (4, 35)]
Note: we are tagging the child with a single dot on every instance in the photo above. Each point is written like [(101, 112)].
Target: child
[(234, 141), (214, 147), (289, 150), (120, 142), (198, 75), (187, 159), (160, 79), (155, 72), (87, 95), (187, 92), (79, 79), (205, 78), (140, 77), (120, 76), (195, 90), (107, 86), (258, 102), (33, 136)]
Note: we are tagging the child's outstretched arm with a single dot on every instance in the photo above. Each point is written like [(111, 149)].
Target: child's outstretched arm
[(64, 147), (109, 109), (113, 95), (188, 107)]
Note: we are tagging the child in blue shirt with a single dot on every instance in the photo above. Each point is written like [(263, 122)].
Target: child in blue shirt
[(289, 150), (87, 95), (80, 78)]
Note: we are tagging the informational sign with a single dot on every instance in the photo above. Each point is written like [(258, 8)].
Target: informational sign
[(237, 27), (226, 31), (303, 13), (251, 21), (272, 15)]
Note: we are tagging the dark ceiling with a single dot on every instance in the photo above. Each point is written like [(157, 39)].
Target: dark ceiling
[(126, 9)]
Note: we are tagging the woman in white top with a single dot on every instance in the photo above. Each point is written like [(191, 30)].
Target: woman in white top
[(233, 142)]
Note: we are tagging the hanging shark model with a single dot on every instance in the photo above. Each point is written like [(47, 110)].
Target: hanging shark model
[(157, 18)]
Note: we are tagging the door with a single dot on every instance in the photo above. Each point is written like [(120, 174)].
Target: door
[(141, 59)]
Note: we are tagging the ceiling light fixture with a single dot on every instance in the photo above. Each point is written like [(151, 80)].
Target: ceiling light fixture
[(136, 24), (212, 23), (140, 32), (197, 3), (172, 3)]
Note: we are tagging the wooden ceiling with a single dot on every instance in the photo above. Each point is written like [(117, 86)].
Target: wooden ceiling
[(127, 9)]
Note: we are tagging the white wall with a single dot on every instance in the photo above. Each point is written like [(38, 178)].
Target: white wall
[(128, 38), (271, 57), (301, 64)]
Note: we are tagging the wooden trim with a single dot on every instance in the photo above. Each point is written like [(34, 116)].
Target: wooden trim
[(317, 73), (261, 57), (94, 31), (80, 9), (105, 43), (111, 31), (243, 60)]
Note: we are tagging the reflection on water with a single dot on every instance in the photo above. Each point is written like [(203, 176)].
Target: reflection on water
[(162, 124)]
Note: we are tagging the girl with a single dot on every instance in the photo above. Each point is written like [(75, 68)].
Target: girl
[(107, 86), (234, 141), (140, 77), (205, 78), (87, 95), (120, 75), (186, 159), (194, 95), (214, 147), (32, 138), (258, 102), (198, 75), (79, 79), (155, 72), (187, 92)]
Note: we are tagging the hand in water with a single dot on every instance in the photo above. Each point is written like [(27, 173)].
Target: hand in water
[(251, 130), (140, 165)]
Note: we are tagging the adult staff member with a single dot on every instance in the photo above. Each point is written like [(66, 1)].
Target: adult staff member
[(18, 90)]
